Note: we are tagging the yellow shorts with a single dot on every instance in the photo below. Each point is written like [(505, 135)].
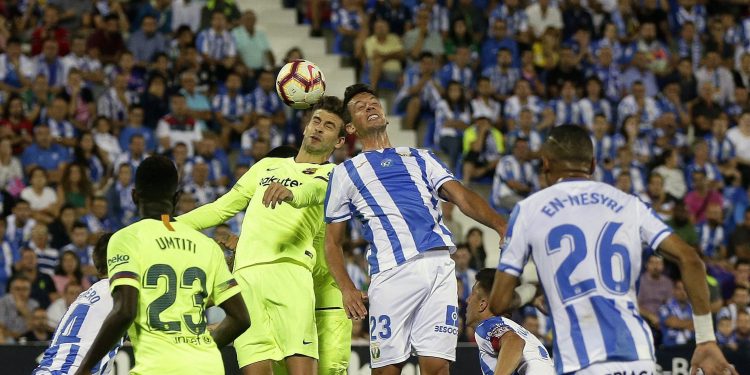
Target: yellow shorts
[(334, 341), (281, 302)]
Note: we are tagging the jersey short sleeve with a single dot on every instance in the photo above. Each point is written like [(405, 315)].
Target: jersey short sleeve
[(336, 201), (437, 172), (515, 249), (651, 228), (225, 286), (122, 261)]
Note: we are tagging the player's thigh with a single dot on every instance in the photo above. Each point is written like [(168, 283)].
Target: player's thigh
[(257, 343), (334, 341), (394, 296), (435, 330), (291, 308), (634, 367)]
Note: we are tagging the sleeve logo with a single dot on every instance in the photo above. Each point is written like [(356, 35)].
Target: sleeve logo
[(117, 260), (310, 171)]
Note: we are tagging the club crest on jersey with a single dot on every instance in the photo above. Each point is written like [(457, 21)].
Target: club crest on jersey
[(310, 171), (375, 350), (451, 316), (386, 163)]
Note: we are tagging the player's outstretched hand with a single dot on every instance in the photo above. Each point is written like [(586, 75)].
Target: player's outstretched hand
[(354, 303), (709, 358), (276, 194)]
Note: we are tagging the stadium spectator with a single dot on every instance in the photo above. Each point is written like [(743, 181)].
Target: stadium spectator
[(420, 91), (216, 45), (38, 331), (98, 220), (265, 101), (712, 235), (68, 271), (41, 197), (522, 98), (82, 104), (119, 194), (464, 272), (252, 44), (178, 126), (78, 58), (483, 146), (719, 77), (231, 110), (739, 240), (88, 154), (452, 224), (10, 167), (701, 197), (497, 40), (742, 332), (452, 117), (50, 30), (186, 12), (682, 225), (147, 41), (384, 53), (135, 126), (567, 69), (740, 301), (19, 223), (542, 15), (655, 290), (484, 103), (114, 103), (56, 118), (16, 69), (396, 13), (675, 318), (103, 138), (8, 257), (208, 151), (78, 244), (16, 308), (108, 40), (740, 138), (725, 334), (421, 39), (57, 309), (61, 229), (48, 258), (154, 101), (515, 177), (704, 109), (200, 186)]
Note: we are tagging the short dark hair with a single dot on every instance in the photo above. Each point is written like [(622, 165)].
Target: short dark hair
[(156, 179), (79, 225), (99, 254), (569, 143), (334, 105), (350, 93), (485, 278)]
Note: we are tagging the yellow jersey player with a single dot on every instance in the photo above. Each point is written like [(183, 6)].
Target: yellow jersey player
[(280, 251), (163, 274)]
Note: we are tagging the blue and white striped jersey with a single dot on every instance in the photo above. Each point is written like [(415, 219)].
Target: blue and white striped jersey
[(586, 239), (394, 193), (77, 331), (488, 334)]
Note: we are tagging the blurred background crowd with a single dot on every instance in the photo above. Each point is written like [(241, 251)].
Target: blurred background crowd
[(88, 89)]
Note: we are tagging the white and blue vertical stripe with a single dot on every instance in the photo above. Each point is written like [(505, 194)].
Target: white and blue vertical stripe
[(232, 108), (217, 45), (393, 192)]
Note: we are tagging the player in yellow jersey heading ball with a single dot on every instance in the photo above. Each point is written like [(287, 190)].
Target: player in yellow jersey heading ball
[(163, 274), (279, 261)]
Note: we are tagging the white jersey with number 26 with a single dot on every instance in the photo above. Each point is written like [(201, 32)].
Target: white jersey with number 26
[(77, 331), (587, 240)]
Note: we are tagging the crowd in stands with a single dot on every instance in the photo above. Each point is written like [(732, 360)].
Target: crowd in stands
[(88, 89)]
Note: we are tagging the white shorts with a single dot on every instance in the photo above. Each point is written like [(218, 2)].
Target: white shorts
[(537, 367), (414, 309), (644, 367)]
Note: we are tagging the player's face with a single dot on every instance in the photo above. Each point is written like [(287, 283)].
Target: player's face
[(473, 306), (322, 133), (367, 113)]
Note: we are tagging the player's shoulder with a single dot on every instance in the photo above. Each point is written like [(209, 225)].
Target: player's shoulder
[(495, 326)]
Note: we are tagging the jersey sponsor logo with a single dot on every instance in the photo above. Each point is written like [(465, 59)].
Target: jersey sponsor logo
[(310, 171), (451, 316), (287, 182), (305, 342), (117, 260)]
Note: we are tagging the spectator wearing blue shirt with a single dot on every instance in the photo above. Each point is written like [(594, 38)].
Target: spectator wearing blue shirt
[(50, 66), (511, 12), (502, 75), (396, 13), (208, 152), (720, 149), (160, 11), (420, 91), (347, 24), (711, 234), (702, 162), (498, 39), (608, 73), (119, 195), (44, 153), (676, 318), (725, 337), (148, 41), (135, 126), (459, 70), (231, 110), (452, 117), (61, 130), (640, 72), (99, 220), (567, 109), (265, 101), (79, 245)]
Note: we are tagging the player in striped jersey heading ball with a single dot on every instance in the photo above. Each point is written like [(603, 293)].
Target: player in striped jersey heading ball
[(586, 239)]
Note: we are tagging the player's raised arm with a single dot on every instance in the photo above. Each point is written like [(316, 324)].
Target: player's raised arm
[(707, 355), (471, 204), (353, 298), (124, 309), (226, 206)]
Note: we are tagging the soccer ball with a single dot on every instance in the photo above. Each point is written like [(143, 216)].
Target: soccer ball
[(300, 84)]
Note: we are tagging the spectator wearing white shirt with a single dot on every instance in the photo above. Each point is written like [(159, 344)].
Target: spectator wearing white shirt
[(740, 138), (186, 12), (593, 103), (739, 302), (216, 44), (643, 107), (515, 177), (484, 104), (542, 15), (57, 309), (567, 109), (60, 128), (16, 70), (522, 99), (49, 65), (104, 139), (91, 68), (200, 186), (439, 17), (178, 127), (502, 76), (114, 103), (720, 78), (42, 198), (452, 117)]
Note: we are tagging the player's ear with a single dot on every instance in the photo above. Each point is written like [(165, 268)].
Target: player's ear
[(484, 304)]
